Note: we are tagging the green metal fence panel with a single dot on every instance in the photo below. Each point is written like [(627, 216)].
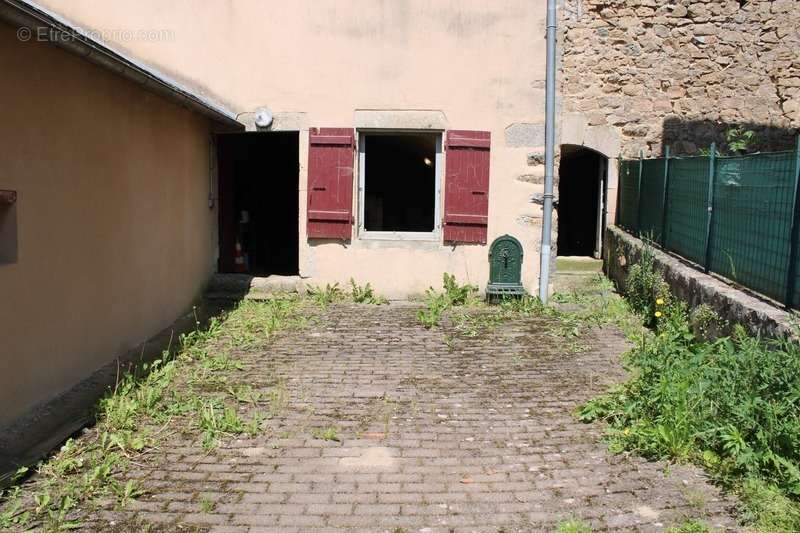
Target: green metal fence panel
[(794, 301), (751, 228), (687, 207), (651, 199), (795, 296), (793, 282), (752, 234), (629, 195)]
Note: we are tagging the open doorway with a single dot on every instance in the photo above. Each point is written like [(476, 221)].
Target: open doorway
[(581, 201), (258, 203)]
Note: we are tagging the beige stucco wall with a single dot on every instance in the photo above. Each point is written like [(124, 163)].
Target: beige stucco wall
[(478, 64), (115, 237)]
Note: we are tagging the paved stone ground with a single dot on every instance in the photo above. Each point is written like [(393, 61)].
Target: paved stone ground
[(436, 434)]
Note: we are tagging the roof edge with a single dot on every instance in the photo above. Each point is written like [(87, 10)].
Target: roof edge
[(23, 13)]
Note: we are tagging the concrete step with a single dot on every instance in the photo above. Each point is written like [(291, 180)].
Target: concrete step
[(239, 286), (578, 265)]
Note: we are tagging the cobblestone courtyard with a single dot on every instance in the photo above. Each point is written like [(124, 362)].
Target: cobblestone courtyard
[(392, 427)]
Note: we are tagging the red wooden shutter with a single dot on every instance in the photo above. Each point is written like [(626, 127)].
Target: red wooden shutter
[(330, 183), (466, 187)]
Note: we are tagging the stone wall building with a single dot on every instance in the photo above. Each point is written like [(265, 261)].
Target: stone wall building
[(682, 72)]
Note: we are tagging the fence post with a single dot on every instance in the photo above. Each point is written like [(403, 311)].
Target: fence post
[(618, 214), (711, 171), (664, 199), (639, 197), (791, 272)]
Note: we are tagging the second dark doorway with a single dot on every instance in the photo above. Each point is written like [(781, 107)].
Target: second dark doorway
[(259, 206), (581, 201)]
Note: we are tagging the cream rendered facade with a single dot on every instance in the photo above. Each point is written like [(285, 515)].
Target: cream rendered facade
[(114, 235), (386, 64), (117, 217)]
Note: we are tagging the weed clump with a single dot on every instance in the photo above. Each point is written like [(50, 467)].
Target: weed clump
[(328, 433), (324, 296), (573, 526), (453, 295), (365, 294), (731, 405), (690, 526), (644, 285), (144, 407)]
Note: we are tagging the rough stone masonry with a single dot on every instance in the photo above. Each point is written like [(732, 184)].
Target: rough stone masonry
[(683, 72)]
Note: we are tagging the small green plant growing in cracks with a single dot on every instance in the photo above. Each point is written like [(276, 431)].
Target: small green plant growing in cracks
[(324, 296), (365, 294), (207, 505), (573, 526), (327, 433), (453, 295), (690, 526)]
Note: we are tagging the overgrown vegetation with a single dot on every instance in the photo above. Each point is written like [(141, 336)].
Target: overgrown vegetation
[(738, 141), (365, 294), (197, 390), (690, 526), (731, 405), (569, 319), (194, 391), (573, 526), (453, 295), (741, 140), (644, 287), (326, 433), (324, 296)]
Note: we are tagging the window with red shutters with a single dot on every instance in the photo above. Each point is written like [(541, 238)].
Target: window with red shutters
[(330, 183), (466, 196)]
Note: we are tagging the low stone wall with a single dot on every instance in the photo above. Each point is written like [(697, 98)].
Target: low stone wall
[(621, 250)]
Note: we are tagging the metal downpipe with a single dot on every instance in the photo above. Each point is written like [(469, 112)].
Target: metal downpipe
[(549, 152)]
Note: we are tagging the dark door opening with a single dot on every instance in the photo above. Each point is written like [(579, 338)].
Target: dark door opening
[(258, 203), (581, 201)]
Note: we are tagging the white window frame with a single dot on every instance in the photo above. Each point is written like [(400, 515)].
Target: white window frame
[(365, 234)]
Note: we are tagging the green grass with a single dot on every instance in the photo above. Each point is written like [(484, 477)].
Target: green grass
[(360, 294), (569, 264), (573, 526), (327, 433), (207, 505), (592, 304), (452, 295), (324, 296), (768, 509), (365, 294), (731, 405), (690, 526), (195, 390)]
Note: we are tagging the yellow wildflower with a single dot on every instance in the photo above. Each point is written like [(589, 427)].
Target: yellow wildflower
[(660, 301), (658, 314)]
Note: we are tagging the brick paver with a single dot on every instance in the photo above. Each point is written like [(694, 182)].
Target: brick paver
[(435, 434)]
